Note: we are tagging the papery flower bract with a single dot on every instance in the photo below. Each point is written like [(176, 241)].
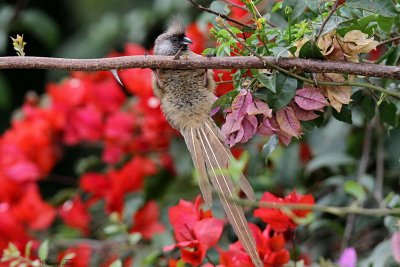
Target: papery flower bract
[(270, 246), (195, 230), (32, 210), (11, 229), (278, 220), (146, 220), (198, 38), (348, 258), (75, 214), (83, 124), (118, 133), (395, 245), (241, 121), (128, 179)]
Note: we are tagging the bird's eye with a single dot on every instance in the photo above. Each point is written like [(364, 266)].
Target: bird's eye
[(174, 39)]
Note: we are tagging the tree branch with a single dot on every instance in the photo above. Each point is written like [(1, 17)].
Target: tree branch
[(165, 62), (200, 7)]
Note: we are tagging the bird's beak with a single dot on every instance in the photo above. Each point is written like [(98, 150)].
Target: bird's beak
[(186, 41)]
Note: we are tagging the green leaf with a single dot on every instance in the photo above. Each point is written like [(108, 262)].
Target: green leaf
[(344, 115), (209, 52), (225, 101), (387, 113), (220, 7), (133, 202), (43, 250), (330, 160), (116, 263), (285, 90), (223, 49), (393, 57), (297, 6), (368, 107), (314, 5), (385, 23), (270, 146), (67, 259), (355, 189), (269, 81), (28, 248), (310, 50), (382, 7)]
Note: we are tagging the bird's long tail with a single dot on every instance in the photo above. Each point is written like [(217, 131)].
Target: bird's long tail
[(211, 159)]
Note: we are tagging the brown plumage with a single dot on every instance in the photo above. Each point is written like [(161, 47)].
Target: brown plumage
[(186, 97)]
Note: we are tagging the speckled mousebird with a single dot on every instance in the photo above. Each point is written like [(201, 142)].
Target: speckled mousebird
[(186, 97)]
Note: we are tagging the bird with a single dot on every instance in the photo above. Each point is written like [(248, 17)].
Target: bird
[(186, 98)]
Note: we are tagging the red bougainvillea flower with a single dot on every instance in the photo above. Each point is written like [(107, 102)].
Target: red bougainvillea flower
[(82, 256), (146, 220), (278, 220), (195, 230), (114, 185), (33, 211), (270, 247), (75, 214), (197, 36), (11, 230)]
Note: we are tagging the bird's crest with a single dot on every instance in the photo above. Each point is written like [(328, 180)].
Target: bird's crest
[(176, 27)]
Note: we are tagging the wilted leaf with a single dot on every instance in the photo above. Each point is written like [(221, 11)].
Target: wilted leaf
[(288, 122), (309, 98), (337, 95), (356, 42)]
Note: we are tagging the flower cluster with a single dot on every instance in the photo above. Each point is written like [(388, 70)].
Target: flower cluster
[(197, 231), (85, 109), (249, 116)]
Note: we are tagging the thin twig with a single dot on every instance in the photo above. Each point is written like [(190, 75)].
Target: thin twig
[(235, 5), (394, 39), (338, 211), (198, 6), (380, 160), (362, 169), (334, 8), (301, 78)]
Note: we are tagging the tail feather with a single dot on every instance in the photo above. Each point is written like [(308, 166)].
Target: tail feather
[(225, 188), (243, 182), (198, 160)]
